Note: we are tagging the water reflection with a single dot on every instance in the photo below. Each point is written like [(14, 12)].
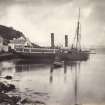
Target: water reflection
[(7, 68), (76, 84), (33, 70), (75, 73), (22, 67), (73, 83), (51, 74), (65, 71), (28, 67)]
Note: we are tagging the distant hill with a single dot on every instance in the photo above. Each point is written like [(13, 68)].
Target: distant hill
[(8, 33)]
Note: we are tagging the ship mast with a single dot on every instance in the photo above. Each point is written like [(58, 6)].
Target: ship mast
[(77, 39)]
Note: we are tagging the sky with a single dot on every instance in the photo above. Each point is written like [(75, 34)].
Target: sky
[(38, 18)]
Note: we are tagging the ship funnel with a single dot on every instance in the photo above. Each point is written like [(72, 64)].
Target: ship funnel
[(52, 40), (66, 40)]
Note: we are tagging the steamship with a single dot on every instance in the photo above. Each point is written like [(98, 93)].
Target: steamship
[(38, 54), (74, 53)]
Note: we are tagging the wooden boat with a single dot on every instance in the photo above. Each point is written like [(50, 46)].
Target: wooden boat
[(58, 64)]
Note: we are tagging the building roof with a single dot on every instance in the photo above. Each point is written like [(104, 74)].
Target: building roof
[(18, 41)]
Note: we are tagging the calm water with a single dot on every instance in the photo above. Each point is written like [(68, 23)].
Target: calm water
[(81, 82)]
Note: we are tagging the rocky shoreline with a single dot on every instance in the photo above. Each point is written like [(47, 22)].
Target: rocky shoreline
[(6, 99)]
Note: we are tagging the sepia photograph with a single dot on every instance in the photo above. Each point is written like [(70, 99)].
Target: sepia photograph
[(52, 52)]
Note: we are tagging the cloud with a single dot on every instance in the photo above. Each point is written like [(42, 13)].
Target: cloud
[(34, 2), (38, 18)]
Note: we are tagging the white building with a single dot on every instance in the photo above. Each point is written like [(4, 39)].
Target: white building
[(19, 43), (1, 43), (5, 48)]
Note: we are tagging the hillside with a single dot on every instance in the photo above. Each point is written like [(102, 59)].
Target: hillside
[(8, 33)]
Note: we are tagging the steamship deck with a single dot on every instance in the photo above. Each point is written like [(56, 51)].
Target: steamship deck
[(36, 53)]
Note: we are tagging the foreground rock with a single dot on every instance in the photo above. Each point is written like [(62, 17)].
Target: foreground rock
[(4, 98), (6, 87), (29, 101), (8, 77)]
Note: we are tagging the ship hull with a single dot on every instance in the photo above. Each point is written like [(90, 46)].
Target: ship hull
[(39, 57), (75, 56)]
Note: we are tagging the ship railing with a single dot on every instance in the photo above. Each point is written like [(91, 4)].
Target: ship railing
[(36, 50)]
